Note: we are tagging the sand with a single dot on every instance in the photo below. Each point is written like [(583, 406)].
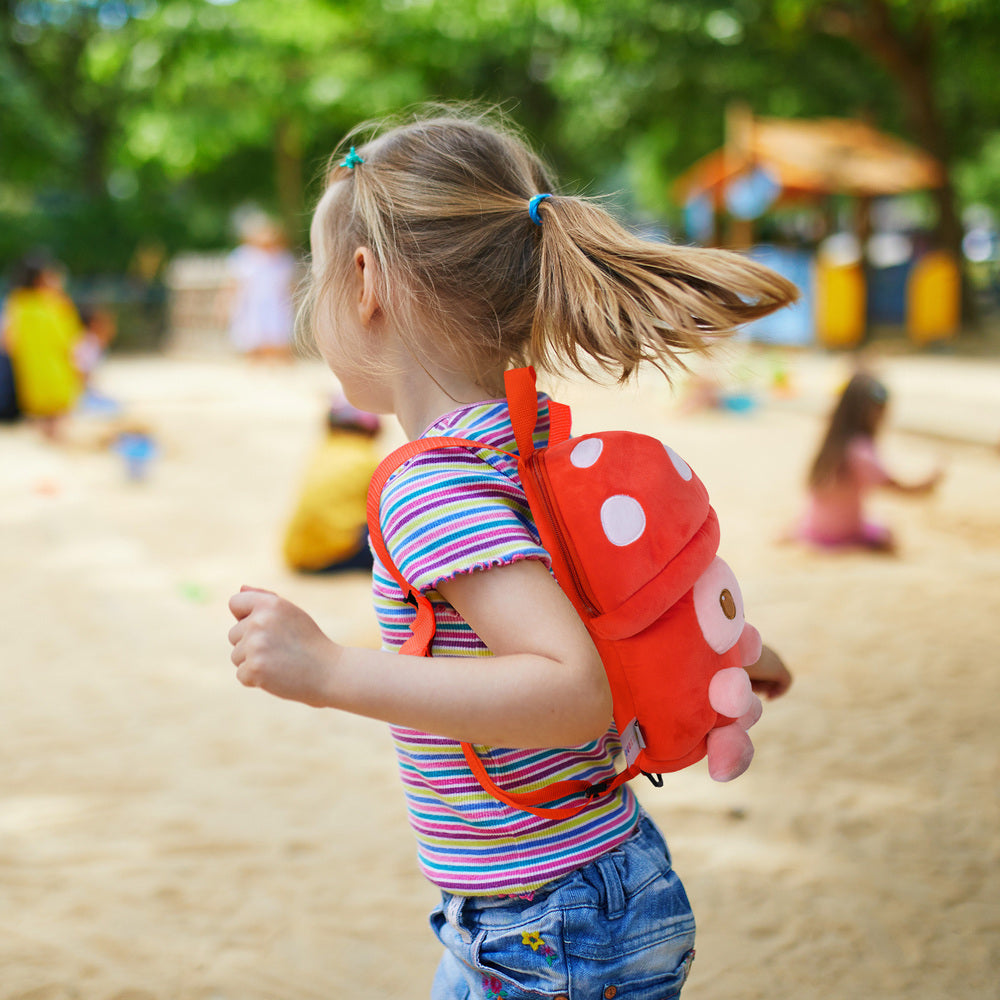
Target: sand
[(167, 835)]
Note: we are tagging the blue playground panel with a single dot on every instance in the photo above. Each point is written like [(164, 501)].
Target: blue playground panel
[(886, 287), (793, 325)]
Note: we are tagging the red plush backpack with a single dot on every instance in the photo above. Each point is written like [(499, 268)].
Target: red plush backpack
[(633, 543)]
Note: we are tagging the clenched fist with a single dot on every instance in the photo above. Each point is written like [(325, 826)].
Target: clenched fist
[(278, 647)]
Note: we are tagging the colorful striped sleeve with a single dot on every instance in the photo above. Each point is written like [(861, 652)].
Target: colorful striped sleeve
[(455, 511)]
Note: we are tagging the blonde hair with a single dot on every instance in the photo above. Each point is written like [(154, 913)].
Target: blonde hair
[(442, 202)]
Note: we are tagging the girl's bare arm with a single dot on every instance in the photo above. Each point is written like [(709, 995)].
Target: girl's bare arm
[(544, 686), (919, 488), (769, 676)]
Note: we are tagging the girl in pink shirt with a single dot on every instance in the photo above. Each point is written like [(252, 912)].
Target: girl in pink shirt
[(847, 467)]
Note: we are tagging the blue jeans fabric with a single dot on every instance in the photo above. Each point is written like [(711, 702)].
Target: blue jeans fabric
[(620, 927)]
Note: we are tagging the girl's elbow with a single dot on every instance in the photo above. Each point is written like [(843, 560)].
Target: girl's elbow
[(595, 713)]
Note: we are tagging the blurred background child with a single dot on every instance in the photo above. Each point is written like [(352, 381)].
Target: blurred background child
[(260, 296), (99, 329), (41, 330), (328, 530), (9, 410), (848, 467)]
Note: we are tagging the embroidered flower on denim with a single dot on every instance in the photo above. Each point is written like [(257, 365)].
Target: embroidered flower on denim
[(534, 941), (494, 988)]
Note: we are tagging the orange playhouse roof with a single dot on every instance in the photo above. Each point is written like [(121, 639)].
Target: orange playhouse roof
[(817, 157)]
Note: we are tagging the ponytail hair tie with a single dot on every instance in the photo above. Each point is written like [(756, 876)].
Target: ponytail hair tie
[(351, 160), (533, 208)]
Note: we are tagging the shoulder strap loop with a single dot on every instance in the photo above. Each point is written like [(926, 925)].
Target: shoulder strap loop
[(560, 423), (522, 401)]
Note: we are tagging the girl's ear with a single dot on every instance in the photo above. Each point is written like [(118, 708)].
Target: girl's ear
[(365, 267)]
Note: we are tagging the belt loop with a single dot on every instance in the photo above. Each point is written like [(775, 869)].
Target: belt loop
[(453, 914), (614, 892)]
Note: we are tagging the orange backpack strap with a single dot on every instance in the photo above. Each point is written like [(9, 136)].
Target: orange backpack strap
[(532, 802), (560, 422), (423, 625), (522, 401)]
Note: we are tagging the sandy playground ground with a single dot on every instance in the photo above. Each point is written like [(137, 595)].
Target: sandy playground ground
[(168, 835)]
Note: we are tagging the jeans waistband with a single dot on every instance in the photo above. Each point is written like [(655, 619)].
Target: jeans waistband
[(603, 872)]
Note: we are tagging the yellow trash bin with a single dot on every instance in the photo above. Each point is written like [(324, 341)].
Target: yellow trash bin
[(840, 303), (933, 298)]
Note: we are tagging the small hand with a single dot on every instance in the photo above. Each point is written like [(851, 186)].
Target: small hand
[(278, 647), (769, 676)]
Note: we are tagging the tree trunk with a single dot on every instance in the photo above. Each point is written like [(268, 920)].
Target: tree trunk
[(909, 59), (288, 177), (94, 134)]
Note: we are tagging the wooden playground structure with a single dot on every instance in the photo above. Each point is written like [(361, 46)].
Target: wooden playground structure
[(771, 163)]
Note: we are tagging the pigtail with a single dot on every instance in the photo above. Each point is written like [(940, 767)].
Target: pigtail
[(621, 301)]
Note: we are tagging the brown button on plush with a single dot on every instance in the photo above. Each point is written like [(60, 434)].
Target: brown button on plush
[(610, 992)]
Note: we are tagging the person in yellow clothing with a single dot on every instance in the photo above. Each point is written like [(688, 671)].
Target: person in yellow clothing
[(40, 331), (328, 529)]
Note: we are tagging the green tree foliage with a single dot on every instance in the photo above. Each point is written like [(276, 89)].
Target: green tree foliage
[(132, 121), (936, 57)]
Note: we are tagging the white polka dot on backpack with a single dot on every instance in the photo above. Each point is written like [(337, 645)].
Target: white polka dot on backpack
[(683, 469), (622, 519), (587, 452)]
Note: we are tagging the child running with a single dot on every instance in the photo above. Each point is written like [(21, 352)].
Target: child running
[(442, 256), (847, 467)]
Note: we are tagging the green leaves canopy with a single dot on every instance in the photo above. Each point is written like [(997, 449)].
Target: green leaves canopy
[(135, 120)]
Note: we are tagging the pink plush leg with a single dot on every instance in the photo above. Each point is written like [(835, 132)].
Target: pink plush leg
[(750, 645), (729, 752), (730, 693), (751, 717)]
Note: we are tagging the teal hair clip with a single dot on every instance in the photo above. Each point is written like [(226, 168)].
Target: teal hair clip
[(533, 208), (351, 160)]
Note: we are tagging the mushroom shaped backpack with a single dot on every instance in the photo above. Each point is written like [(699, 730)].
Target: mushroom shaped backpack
[(633, 540)]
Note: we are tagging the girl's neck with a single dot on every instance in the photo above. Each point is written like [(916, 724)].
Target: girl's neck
[(422, 396), (423, 386)]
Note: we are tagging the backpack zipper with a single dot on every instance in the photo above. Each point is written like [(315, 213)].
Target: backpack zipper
[(537, 472)]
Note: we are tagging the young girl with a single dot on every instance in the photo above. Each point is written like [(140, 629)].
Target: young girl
[(847, 467), (440, 258)]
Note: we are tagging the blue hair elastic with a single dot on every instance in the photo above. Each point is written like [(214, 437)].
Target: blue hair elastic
[(351, 160), (533, 208)]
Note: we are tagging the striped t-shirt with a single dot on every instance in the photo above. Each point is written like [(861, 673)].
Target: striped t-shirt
[(450, 512)]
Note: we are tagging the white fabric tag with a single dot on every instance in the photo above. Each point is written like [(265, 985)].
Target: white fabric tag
[(632, 742)]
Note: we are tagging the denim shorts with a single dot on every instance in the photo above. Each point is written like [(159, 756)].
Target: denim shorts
[(620, 927)]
